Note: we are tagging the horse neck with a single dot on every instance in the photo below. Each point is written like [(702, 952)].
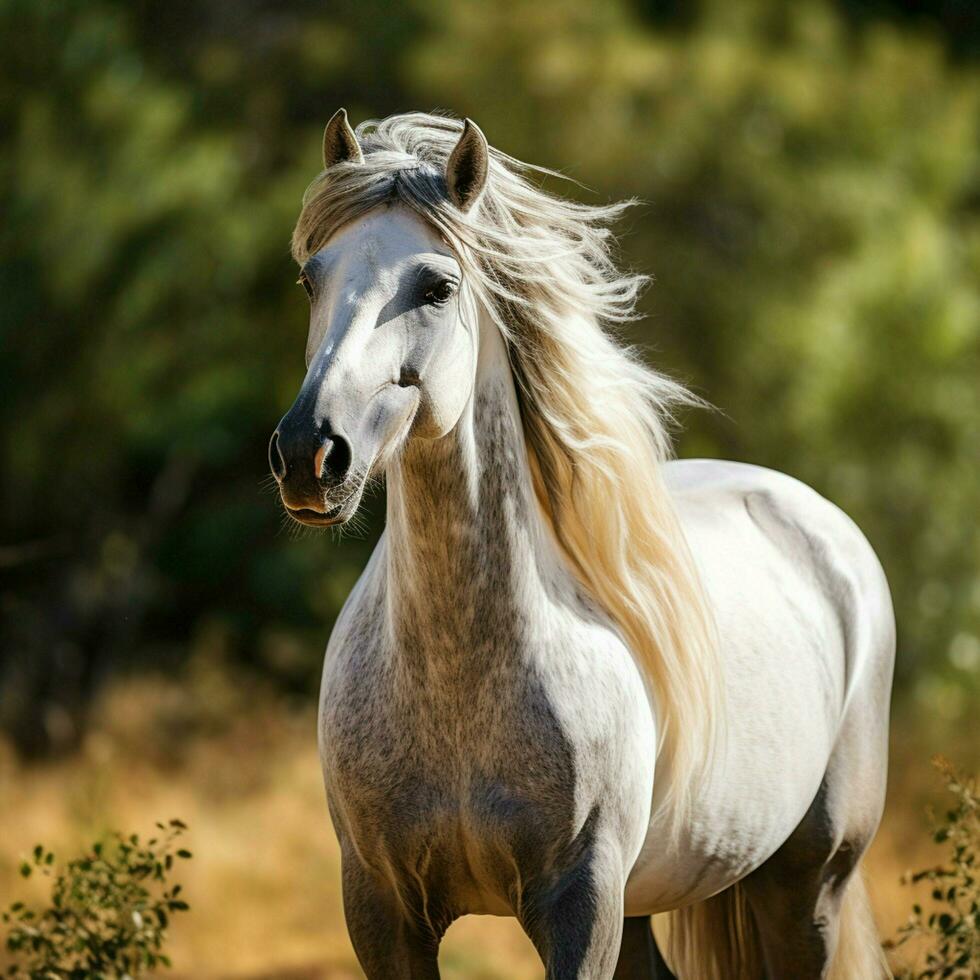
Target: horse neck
[(467, 549)]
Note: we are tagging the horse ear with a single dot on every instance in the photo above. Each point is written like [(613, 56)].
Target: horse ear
[(339, 142), (466, 170)]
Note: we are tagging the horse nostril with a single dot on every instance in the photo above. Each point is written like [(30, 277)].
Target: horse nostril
[(332, 460), (276, 462)]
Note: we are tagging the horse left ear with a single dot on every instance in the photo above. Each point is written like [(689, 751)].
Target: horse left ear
[(339, 142), (466, 171)]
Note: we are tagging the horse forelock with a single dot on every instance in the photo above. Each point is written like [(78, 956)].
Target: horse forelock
[(597, 418)]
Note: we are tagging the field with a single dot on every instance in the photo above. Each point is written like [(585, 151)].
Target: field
[(240, 766)]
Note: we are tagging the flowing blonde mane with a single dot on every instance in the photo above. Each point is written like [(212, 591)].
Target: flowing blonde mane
[(596, 417)]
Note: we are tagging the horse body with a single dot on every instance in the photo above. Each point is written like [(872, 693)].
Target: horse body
[(492, 737), (468, 632), (807, 638)]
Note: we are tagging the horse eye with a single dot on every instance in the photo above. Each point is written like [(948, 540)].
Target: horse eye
[(306, 284), (440, 293)]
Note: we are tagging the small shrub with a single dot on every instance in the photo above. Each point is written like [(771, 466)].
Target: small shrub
[(952, 927), (109, 911)]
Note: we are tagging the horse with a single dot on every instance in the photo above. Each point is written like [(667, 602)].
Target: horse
[(579, 682)]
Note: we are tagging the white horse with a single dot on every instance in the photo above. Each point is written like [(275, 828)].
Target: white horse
[(576, 683)]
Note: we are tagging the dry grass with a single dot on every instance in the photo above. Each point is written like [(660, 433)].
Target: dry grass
[(241, 768)]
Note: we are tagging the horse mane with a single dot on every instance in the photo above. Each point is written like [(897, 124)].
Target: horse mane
[(596, 417)]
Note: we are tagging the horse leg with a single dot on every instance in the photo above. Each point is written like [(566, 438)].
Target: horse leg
[(639, 955), (812, 912), (389, 944), (796, 896), (576, 923)]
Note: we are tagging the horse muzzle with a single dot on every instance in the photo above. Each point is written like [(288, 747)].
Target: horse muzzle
[(311, 464)]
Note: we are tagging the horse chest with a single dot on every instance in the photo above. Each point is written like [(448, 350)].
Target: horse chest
[(459, 773), (447, 741)]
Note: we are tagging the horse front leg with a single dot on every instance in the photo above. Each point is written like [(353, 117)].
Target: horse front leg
[(576, 922), (390, 942)]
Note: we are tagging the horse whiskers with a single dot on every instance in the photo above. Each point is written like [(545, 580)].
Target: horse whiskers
[(268, 484)]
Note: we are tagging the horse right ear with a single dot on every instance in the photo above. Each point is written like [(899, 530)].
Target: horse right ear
[(339, 142)]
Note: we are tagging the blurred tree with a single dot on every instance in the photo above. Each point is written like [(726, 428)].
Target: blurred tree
[(812, 178), (152, 336)]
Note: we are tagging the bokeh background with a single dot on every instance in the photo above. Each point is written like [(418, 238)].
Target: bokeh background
[(811, 214)]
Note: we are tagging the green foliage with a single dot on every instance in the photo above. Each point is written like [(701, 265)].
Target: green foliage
[(109, 911), (951, 928), (812, 218)]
